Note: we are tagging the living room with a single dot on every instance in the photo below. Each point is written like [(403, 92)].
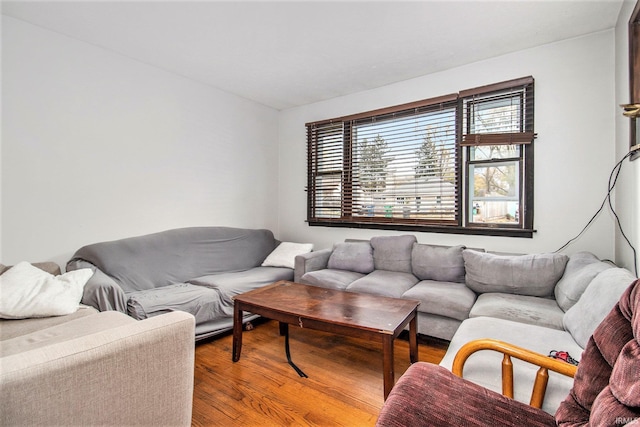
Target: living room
[(99, 145), (78, 165)]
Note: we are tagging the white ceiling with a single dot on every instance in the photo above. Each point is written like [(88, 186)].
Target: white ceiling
[(289, 53)]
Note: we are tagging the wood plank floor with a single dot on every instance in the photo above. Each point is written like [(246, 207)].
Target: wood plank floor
[(344, 387)]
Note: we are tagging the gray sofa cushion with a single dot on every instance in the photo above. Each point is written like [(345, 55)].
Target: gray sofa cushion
[(393, 253), (519, 308), (434, 325), (534, 275), (352, 256), (229, 285), (386, 283), (579, 272), (596, 302), (332, 279), (446, 299), (441, 263)]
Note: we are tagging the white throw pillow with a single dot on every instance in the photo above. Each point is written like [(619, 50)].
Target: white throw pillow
[(26, 291), (285, 254)]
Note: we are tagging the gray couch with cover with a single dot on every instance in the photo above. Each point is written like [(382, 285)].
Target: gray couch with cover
[(197, 270), (542, 302)]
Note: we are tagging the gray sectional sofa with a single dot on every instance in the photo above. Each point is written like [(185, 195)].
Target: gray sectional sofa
[(542, 302), (197, 270)]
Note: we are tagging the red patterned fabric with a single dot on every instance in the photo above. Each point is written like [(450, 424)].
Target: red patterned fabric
[(606, 390), (430, 395)]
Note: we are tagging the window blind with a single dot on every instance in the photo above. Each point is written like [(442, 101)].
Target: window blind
[(390, 165)]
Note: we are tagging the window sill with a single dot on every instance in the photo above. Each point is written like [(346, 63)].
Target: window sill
[(448, 229)]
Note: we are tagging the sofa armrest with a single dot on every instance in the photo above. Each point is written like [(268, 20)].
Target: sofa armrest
[(311, 261), (140, 373), (101, 291), (545, 364)]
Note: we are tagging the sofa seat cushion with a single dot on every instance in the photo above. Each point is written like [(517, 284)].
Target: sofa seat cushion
[(535, 275), (443, 298), (484, 367), (581, 269), (386, 283), (598, 299), (202, 302), (330, 278), (232, 284), (75, 328), (519, 308), (434, 325)]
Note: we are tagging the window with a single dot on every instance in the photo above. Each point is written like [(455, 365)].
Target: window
[(498, 129), (460, 163)]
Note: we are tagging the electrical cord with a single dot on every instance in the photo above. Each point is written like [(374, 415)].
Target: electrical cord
[(615, 172)]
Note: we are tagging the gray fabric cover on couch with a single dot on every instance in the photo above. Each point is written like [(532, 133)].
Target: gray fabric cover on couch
[(196, 269)]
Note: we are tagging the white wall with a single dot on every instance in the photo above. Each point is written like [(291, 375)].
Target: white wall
[(627, 192), (574, 152), (96, 146)]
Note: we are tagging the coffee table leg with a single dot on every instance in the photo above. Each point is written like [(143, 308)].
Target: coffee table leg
[(413, 339), (387, 364), (237, 332)]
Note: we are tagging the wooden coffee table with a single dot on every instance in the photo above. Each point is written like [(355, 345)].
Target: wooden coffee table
[(353, 314)]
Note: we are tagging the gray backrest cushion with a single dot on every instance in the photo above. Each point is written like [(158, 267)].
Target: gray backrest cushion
[(441, 263), (174, 256), (596, 302), (533, 275), (352, 256), (393, 253), (579, 272)]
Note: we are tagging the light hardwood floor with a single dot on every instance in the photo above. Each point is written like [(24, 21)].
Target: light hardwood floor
[(344, 387)]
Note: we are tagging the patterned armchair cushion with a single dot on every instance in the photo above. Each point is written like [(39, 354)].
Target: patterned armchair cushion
[(606, 389)]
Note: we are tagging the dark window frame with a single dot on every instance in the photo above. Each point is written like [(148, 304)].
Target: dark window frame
[(464, 142), (634, 71)]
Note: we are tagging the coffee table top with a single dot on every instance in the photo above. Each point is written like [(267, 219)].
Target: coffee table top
[(363, 311)]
